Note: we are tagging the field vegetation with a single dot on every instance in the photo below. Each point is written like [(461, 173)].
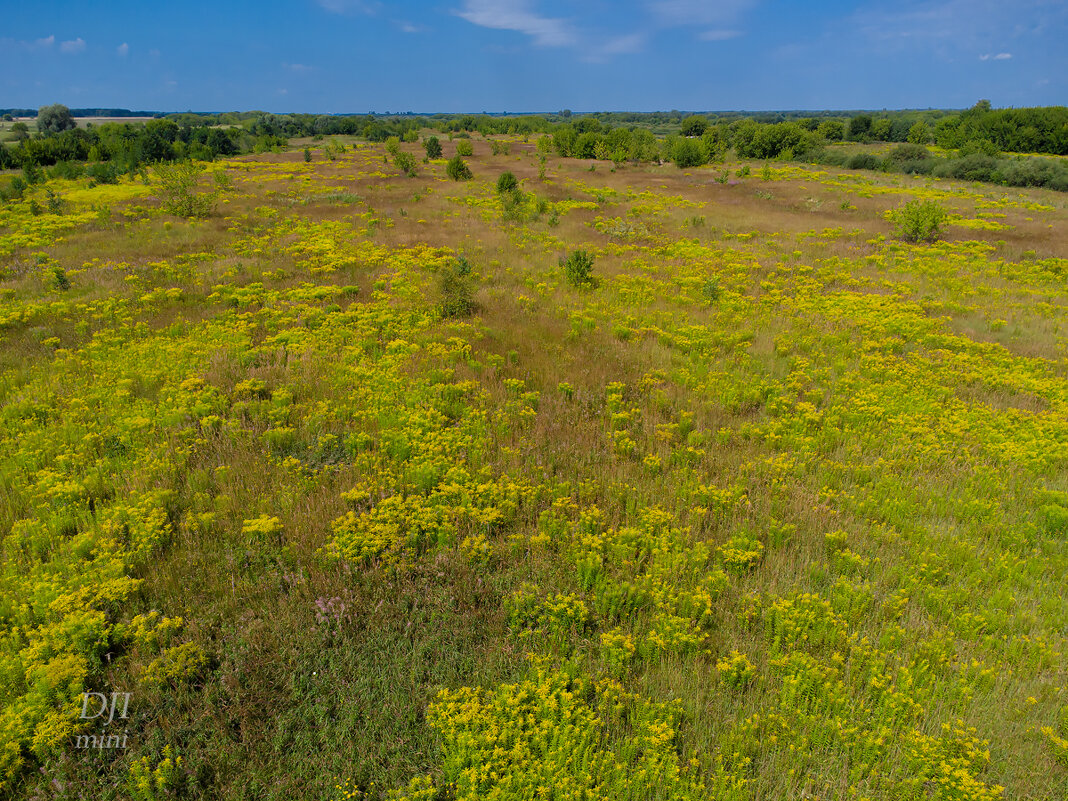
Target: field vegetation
[(733, 480)]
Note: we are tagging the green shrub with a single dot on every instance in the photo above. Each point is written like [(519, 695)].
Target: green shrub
[(55, 202), (507, 183), (457, 169), (102, 173), (917, 167), (32, 174), (456, 296), (405, 162), (433, 147), (909, 152), (464, 148), (688, 153), (919, 221), (178, 195), (67, 169), (578, 268), (58, 279), (863, 161), (973, 167), (710, 290)]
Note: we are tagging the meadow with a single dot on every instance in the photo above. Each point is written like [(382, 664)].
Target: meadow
[(358, 496)]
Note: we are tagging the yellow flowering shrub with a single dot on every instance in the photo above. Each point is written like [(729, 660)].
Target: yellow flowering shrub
[(548, 734)]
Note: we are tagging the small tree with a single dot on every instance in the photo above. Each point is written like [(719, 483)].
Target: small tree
[(578, 268), (688, 153), (455, 291), (54, 118), (919, 221), (178, 195), (405, 162), (831, 130), (464, 148), (507, 183), (433, 147), (457, 169), (919, 133), (694, 125)]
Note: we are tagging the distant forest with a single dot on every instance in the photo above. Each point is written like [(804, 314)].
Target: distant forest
[(981, 143)]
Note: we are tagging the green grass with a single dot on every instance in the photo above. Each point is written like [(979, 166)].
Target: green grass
[(773, 509)]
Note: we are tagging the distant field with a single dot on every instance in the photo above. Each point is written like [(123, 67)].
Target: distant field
[(358, 485)]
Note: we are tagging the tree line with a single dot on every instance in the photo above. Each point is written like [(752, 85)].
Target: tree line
[(977, 138)]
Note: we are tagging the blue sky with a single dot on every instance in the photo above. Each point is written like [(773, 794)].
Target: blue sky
[(534, 55)]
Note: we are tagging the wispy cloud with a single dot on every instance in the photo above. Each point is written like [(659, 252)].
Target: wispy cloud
[(697, 13), (964, 24), (596, 38), (72, 46), (22, 44), (719, 19), (718, 35), (617, 46), (351, 6), (297, 68), (996, 57), (123, 50), (516, 15)]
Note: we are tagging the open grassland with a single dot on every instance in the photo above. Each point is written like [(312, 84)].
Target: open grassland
[(775, 509)]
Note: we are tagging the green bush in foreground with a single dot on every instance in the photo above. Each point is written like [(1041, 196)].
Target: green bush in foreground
[(578, 268), (455, 290), (405, 162), (457, 169), (507, 183), (177, 193), (433, 147), (919, 221)]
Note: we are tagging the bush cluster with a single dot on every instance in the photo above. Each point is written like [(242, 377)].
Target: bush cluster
[(919, 221)]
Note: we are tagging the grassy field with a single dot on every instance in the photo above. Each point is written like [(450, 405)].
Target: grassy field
[(776, 507)]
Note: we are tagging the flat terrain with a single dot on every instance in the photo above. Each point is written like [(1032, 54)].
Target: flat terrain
[(776, 508)]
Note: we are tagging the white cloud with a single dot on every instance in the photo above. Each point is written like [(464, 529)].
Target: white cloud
[(718, 35), (123, 49), (687, 13), (517, 16), (997, 57), (73, 46), (351, 6), (959, 24), (22, 44), (297, 68), (621, 45)]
